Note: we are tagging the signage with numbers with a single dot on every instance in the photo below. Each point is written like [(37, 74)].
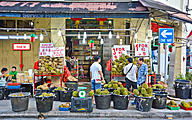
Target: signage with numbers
[(141, 49), (57, 52), (21, 46), (118, 50), (45, 49)]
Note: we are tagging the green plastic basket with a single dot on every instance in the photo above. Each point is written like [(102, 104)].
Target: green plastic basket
[(173, 108)]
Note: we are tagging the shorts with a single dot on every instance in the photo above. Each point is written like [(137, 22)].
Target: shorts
[(95, 86)]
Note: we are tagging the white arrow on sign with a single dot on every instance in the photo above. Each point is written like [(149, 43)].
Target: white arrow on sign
[(165, 33)]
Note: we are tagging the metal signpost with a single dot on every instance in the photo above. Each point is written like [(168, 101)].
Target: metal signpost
[(166, 35)]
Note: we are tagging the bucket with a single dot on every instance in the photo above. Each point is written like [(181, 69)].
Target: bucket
[(182, 89), (120, 102), (44, 104), (57, 95), (144, 104), (19, 103), (65, 96), (2, 92), (160, 100), (103, 101)]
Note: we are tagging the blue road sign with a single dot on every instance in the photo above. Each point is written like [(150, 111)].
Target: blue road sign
[(166, 35)]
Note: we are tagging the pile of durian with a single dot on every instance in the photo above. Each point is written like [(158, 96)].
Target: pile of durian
[(113, 85), (46, 94), (102, 92), (50, 65), (121, 91), (143, 91)]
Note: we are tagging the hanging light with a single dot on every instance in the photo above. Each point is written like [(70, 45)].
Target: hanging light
[(121, 41), (17, 36), (110, 35), (146, 40), (118, 36), (84, 42), (59, 33), (99, 36), (41, 37), (188, 44), (110, 22), (25, 36), (102, 41), (84, 35), (79, 35)]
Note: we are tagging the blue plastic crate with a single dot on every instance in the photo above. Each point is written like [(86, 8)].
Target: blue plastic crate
[(64, 109), (14, 87)]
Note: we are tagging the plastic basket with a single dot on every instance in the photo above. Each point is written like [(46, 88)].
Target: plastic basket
[(2, 93), (64, 109), (14, 87), (160, 100), (103, 101), (57, 95), (65, 96), (173, 108), (13, 84), (184, 108), (44, 104), (144, 104), (81, 104), (120, 102), (19, 103)]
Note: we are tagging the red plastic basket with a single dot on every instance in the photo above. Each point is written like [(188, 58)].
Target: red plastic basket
[(14, 84), (185, 108)]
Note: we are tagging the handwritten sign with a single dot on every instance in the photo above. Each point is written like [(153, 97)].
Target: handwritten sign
[(21, 46), (45, 49), (141, 49), (118, 50), (57, 52)]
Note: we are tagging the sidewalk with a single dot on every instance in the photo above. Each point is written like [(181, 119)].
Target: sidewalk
[(6, 112)]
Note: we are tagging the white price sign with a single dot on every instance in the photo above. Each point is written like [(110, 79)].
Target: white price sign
[(57, 52), (141, 49), (45, 49), (118, 50)]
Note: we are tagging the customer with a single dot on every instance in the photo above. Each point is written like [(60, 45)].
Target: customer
[(13, 73), (96, 74), (142, 72), (130, 72), (3, 76)]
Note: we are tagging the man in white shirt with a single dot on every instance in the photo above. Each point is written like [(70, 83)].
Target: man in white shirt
[(96, 74), (130, 72)]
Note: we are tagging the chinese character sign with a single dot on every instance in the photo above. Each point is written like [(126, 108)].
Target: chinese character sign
[(118, 50), (45, 49), (141, 49), (58, 52)]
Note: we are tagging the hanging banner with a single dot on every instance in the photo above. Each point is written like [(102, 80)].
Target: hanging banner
[(118, 50), (58, 52), (141, 49), (45, 49)]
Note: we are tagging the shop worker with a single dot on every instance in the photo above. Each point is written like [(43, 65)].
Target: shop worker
[(130, 72), (96, 74), (13, 73), (142, 72), (3, 76)]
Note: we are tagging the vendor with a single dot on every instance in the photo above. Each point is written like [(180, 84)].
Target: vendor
[(3, 76), (13, 73)]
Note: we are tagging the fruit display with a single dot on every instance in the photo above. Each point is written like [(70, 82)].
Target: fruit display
[(143, 91), (59, 89), (102, 92), (186, 104), (91, 93), (43, 87), (121, 91), (75, 94), (158, 86), (46, 94), (172, 103), (20, 94), (50, 65), (65, 105), (113, 85)]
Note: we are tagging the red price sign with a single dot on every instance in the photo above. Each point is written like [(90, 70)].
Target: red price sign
[(141, 49), (21, 46), (118, 50)]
